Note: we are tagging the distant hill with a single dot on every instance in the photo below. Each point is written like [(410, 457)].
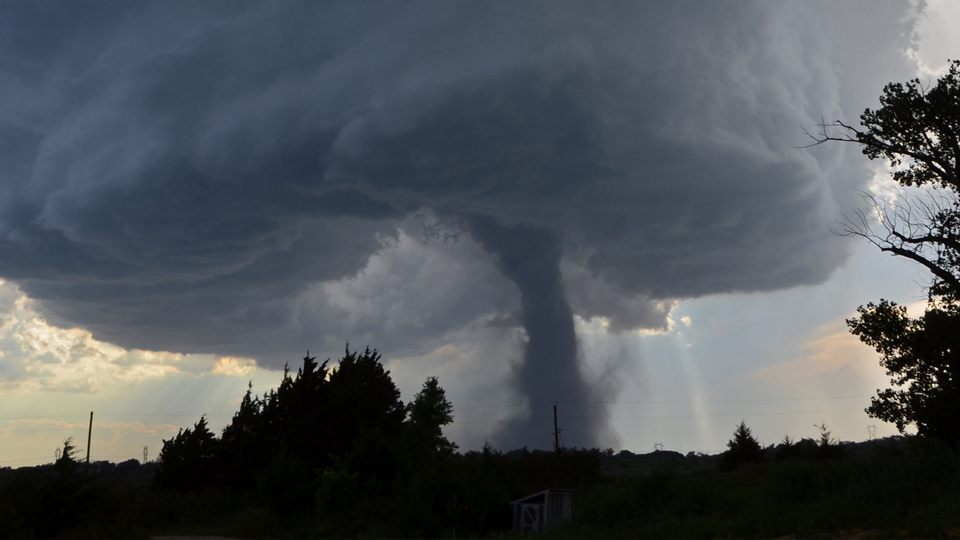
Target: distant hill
[(626, 462), (131, 470)]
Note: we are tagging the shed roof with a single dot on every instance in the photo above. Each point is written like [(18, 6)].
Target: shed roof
[(540, 497)]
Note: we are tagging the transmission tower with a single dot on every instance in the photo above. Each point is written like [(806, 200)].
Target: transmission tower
[(145, 454), (871, 432), (657, 447)]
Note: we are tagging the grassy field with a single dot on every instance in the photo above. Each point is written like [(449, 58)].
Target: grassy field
[(901, 489), (897, 488)]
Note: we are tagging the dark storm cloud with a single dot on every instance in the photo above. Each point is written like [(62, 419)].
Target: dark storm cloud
[(213, 177)]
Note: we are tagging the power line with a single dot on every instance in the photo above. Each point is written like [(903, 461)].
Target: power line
[(36, 417), (146, 428), (127, 453), (20, 460), (581, 418), (498, 406), (654, 417), (8, 418), (115, 454), (38, 430), (177, 415), (659, 402)]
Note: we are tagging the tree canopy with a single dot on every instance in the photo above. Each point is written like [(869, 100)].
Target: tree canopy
[(349, 419), (426, 415), (917, 130), (921, 357), (743, 448), (337, 451)]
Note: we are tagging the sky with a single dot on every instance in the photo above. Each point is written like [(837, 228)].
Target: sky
[(608, 207)]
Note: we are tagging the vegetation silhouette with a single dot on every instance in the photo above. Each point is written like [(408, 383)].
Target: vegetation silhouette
[(895, 487), (827, 447), (743, 448), (920, 354), (59, 495), (189, 459), (61, 501), (917, 130), (336, 452), (400, 477), (787, 449)]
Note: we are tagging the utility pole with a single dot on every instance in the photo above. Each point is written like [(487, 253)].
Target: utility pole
[(89, 432), (556, 432)]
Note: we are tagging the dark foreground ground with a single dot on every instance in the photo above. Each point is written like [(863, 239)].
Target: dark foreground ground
[(891, 488), (883, 489)]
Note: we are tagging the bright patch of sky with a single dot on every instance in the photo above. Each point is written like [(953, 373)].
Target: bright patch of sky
[(51, 378), (782, 361), (938, 39)]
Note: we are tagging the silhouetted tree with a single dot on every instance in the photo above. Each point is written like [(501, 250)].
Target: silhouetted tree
[(743, 448), (427, 413), (786, 449), (301, 412), (340, 447), (427, 489), (245, 444), (922, 355), (827, 447), (367, 413), (60, 496), (188, 461), (917, 130)]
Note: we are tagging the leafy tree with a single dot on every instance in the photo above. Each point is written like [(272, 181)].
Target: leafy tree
[(244, 443), (922, 356), (361, 396), (426, 415), (67, 464), (299, 414), (786, 449), (188, 460), (428, 486), (60, 495), (828, 447), (917, 130), (743, 448)]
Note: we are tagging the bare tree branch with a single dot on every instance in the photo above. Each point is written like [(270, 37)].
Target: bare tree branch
[(912, 228)]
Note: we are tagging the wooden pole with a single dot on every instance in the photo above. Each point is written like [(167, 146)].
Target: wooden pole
[(89, 432), (556, 432)]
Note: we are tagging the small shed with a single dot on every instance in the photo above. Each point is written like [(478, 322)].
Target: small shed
[(536, 512)]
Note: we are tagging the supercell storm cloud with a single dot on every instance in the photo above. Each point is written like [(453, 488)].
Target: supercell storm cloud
[(208, 178)]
